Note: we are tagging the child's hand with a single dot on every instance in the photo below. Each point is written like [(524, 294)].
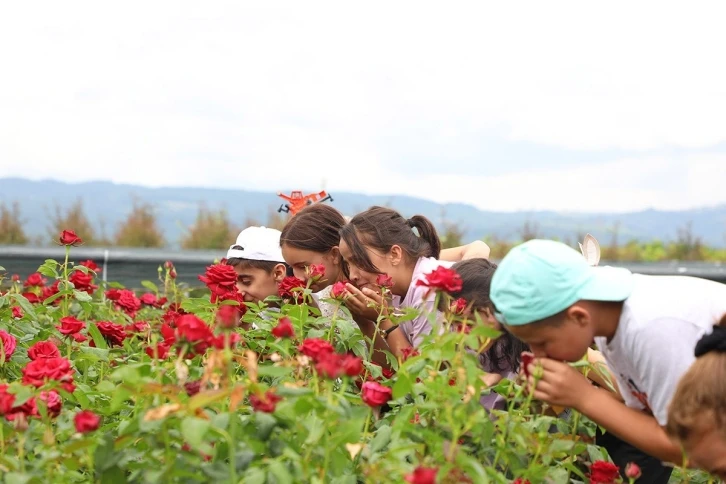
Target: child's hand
[(366, 304), (559, 385)]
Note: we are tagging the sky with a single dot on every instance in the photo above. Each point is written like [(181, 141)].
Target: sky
[(567, 106)]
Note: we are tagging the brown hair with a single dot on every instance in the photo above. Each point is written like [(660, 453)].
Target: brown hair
[(316, 228), (381, 228), (700, 394)]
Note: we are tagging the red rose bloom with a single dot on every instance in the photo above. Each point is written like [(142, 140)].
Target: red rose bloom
[(162, 351), (192, 387), (86, 421), (339, 290), (218, 341), (149, 299), (423, 475), (128, 302), (69, 237), (82, 282), (287, 289), (519, 480), (51, 290), (315, 348), (527, 359), (315, 272), (9, 343), (79, 338), (375, 394), (443, 279), (115, 334), (352, 365), (43, 349), (15, 278), (407, 353), (266, 403), (113, 294), (228, 316), (384, 280), (6, 400), (35, 280), (220, 279), (70, 325), (32, 298), (17, 312), (283, 329), (52, 401), (458, 306), (632, 471), (191, 329), (90, 264), (329, 366), (137, 327), (38, 371), (602, 472)]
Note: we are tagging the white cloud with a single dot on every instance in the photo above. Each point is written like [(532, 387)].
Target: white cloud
[(223, 94)]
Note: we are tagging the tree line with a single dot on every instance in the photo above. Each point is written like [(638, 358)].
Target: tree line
[(214, 230)]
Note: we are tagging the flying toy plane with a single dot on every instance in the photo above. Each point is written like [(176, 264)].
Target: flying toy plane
[(297, 201)]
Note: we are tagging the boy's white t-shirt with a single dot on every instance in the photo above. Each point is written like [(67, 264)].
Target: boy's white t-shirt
[(660, 324), (416, 297)]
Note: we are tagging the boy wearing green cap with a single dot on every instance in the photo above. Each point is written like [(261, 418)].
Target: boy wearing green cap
[(646, 327)]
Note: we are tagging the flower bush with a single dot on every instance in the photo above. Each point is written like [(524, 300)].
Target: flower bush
[(99, 383)]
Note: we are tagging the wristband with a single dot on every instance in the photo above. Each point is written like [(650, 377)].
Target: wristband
[(390, 330)]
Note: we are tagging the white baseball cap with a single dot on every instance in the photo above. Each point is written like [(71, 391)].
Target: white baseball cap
[(257, 243)]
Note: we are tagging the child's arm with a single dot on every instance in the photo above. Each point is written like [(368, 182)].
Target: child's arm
[(475, 250), (563, 385), (600, 373)]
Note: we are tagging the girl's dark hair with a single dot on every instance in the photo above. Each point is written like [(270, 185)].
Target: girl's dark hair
[(476, 276), (381, 228), (316, 228)]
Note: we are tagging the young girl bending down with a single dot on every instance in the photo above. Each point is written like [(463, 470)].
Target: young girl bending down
[(381, 242), (697, 413), (313, 237)]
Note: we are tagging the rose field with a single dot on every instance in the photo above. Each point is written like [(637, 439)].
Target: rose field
[(172, 383)]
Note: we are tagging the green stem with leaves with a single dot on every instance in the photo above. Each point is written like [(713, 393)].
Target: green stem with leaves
[(66, 284)]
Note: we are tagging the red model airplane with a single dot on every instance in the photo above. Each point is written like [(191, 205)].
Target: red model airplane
[(297, 201)]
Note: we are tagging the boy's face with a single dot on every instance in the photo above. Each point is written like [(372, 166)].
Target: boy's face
[(706, 448), (563, 341), (256, 285)]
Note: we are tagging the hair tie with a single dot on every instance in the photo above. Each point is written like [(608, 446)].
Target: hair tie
[(410, 223), (715, 341)]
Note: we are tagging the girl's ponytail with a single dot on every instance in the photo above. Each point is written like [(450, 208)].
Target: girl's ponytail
[(427, 232)]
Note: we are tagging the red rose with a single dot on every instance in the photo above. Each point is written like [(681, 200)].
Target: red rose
[(375, 394), (52, 290), (15, 278), (352, 365), (69, 237), (79, 338), (339, 290), (149, 299), (168, 265), (315, 348), (128, 301), (266, 403), (43, 349), (82, 282), (52, 401), (70, 325), (90, 264), (17, 312), (35, 280), (137, 327), (527, 359), (115, 334), (458, 306), (602, 472), (113, 294), (220, 279), (283, 329), (632, 471), (315, 272), (289, 288), (407, 353), (86, 421), (442, 278), (172, 273), (6, 400), (9, 343), (384, 280), (329, 366), (519, 480), (423, 475), (218, 341), (192, 387), (162, 351), (32, 298), (191, 329), (38, 371), (228, 316)]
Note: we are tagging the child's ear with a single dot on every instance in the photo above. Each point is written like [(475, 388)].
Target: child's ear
[(578, 314), (396, 255), (279, 272)]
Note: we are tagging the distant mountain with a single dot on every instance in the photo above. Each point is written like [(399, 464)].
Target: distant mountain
[(107, 204)]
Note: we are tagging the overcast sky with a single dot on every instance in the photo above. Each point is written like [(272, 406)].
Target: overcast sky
[(616, 106)]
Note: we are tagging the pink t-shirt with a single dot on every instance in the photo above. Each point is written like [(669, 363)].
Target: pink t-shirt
[(416, 297)]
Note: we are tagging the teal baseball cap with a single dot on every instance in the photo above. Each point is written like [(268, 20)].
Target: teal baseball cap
[(540, 278)]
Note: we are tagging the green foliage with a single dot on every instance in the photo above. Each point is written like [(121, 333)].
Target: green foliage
[(11, 225), (212, 230), (140, 229)]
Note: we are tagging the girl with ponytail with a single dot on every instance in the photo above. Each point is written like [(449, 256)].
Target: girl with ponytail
[(380, 247)]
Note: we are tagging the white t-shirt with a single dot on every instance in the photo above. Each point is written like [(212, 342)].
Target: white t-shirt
[(416, 297), (659, 327)]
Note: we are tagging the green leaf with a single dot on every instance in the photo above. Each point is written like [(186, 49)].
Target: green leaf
[(202, 399), (381, 440), (274, 371), (82, 296), (17, 478), (254, 475), (49, 268), (24, 304), (560, 445), (22, 393), (119, 398), (194, 429), (113, 475), (97, 336), (105, 456), (150, 286), (280, 472), (293, 391), (94, 353), (402, 387)]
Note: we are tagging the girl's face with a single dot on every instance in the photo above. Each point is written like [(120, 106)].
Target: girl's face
[(300, 259), (361, 278)]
